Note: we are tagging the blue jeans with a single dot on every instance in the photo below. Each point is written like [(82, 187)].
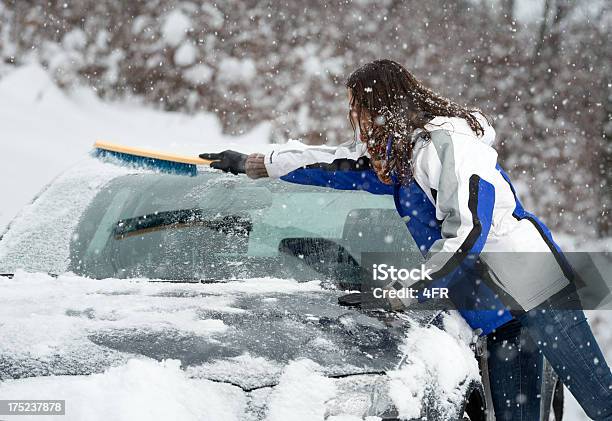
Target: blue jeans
[(562, 334)]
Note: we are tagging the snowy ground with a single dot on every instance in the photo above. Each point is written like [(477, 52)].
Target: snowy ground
[(45, 131)]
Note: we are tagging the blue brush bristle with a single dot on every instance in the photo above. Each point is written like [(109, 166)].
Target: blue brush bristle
[(155, 164)]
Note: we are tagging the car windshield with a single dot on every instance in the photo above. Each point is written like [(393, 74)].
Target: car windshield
[(213, 227)]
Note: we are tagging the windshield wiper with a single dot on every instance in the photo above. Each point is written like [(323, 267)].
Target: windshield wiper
[(227, 224)]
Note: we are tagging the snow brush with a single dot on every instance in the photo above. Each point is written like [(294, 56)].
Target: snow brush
[(145, 158)]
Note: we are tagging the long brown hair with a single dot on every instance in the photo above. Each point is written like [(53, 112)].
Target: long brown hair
[(395, 104)]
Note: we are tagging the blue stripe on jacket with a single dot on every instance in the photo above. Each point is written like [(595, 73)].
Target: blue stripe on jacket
[(339, 180), (521, 213), (476, 301)]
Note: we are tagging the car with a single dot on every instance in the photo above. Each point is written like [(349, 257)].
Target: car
[(238, 282)]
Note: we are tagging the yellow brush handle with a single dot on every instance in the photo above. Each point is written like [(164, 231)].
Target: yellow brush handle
[(147, 153)]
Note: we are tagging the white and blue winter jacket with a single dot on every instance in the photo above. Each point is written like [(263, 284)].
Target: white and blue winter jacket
[(460, 205)]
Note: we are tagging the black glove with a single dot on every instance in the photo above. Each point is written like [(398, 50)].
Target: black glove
[(227, 161)]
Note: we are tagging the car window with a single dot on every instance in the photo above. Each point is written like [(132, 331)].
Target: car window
[(214, 227)]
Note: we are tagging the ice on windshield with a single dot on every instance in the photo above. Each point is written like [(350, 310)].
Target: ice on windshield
[(224, 227), (39, 237), (98, 221)]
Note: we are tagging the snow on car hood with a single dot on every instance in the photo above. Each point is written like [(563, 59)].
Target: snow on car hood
[(242, 332), (246, 349), (149, 390)]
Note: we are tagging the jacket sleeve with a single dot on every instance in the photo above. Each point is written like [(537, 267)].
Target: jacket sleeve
[(343, 168), (294, 155), (454, 171)]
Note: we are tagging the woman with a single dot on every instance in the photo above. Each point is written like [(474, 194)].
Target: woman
[(435, 158)]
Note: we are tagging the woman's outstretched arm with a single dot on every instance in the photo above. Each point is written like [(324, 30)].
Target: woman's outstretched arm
[(346, 167)]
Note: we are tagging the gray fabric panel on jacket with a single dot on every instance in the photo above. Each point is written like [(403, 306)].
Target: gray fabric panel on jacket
[(448, 185)]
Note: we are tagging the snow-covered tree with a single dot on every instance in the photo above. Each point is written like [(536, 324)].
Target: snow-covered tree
[(544, 75)]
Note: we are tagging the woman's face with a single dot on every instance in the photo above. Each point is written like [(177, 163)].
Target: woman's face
[(377, 165)]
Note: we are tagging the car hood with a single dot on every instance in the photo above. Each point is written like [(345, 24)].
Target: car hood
[(243, 332)]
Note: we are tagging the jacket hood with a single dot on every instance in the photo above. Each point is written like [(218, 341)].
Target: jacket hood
[(460, 126)]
